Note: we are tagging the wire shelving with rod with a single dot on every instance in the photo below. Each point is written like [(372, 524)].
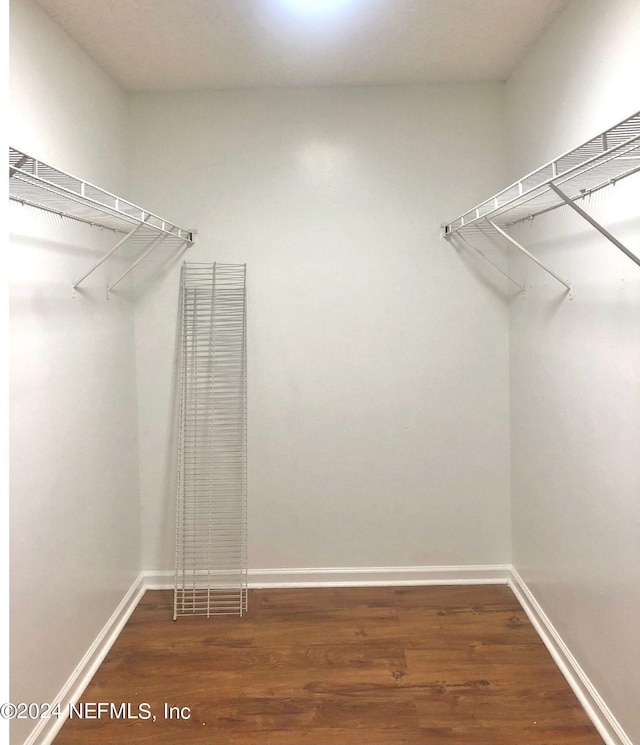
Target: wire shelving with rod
[(599, 162), (34, 183)]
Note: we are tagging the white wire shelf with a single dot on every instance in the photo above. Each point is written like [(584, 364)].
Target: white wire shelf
[(36, 184), (211, 505), (599, 162)]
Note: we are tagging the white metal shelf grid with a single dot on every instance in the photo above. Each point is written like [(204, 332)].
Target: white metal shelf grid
[(600, 162), (211, 520), (34, 183)]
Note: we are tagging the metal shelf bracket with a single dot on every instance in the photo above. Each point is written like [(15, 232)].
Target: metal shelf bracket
[(592, 221), (152, 247), (523, 250), (488, 260), (118, 245)]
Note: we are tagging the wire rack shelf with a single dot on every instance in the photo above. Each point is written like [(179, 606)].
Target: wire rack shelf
[(211, 519), (597, 163), (39, 185)]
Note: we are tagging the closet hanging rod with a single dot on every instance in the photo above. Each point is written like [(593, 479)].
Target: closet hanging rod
[(37, 184), (67, 216)]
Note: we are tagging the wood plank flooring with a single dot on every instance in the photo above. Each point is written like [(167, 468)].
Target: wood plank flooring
[(443, 665)]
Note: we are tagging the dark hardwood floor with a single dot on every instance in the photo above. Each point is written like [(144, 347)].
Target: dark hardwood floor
[(444, 665)]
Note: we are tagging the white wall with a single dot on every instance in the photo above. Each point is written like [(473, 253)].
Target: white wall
[(75, 529), (575, 363), (378, 389)]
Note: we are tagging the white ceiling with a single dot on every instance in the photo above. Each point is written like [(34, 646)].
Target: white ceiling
[(187, 44)]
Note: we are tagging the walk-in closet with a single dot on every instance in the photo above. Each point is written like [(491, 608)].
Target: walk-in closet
[(324, 372)]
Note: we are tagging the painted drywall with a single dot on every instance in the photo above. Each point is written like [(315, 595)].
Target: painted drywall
[(75, 532), (378, 391), (575, 362)]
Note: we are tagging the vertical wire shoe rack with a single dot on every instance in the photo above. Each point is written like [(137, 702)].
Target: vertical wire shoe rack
[(211, 520)]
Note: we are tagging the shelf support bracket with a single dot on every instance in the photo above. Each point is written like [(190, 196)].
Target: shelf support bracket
[(569, 202), (523, 250), (18, 165), (152, 247), (118, 245), (486, 258)]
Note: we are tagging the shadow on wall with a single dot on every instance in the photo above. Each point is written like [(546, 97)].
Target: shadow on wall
[(491, 277)]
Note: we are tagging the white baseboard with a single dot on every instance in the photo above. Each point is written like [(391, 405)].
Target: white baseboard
[(379, 576), (357, 576), (594, 705), (46, 729)]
